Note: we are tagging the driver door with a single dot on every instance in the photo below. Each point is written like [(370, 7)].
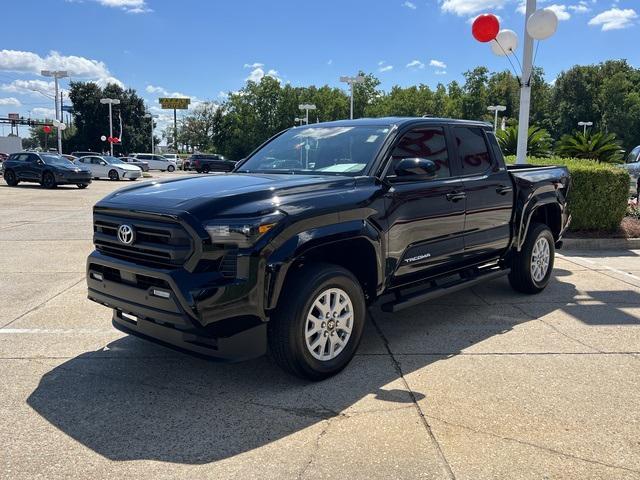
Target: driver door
[(426, 217), (99, 167)]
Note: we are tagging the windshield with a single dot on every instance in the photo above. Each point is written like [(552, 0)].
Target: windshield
[(112, 160), (54, 160), (319, 150)]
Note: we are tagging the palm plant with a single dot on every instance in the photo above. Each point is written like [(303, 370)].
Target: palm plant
[(600, 146), (538, 142)]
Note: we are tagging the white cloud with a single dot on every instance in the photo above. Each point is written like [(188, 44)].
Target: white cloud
[(253, 65), (10, 101), (258, 74), (386, 68), (441, 72), (415, 64), (29, 86), (80, 67), (581, 7), (129, 6), (470, 20), (614, 19), (43, 112), (438, 64), (409, 5), (330, 61), (470, 7), (560, 11)]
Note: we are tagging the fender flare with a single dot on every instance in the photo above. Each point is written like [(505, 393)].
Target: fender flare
[(303, 242), (529, 210)]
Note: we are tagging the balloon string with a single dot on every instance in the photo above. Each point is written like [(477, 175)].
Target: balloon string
[(506, 54), (535, 55)]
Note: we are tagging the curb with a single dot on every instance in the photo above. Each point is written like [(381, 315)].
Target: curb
[(601, 243)]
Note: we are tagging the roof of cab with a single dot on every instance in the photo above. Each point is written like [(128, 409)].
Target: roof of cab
[(400, 122)]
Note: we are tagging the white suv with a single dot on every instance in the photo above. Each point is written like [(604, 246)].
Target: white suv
[(156, 162)]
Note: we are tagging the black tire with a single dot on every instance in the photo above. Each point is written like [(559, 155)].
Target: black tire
[(522, 274), (133, 179), (48, 180), (82, 185), (286, 329), (198, 171), (206, 169), (171, 168), (113, 175), (10, 178)]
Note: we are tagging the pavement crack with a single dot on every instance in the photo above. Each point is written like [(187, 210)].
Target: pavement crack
[(533, 445), (425, 423)]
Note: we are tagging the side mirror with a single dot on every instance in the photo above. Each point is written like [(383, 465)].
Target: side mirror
[(415, 168), (103, 163)]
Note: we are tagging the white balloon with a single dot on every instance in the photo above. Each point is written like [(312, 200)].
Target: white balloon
[(62, 126), (103, 138), (542, 24), (505, 43)]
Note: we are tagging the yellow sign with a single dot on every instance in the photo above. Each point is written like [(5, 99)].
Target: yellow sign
[(177, 103)]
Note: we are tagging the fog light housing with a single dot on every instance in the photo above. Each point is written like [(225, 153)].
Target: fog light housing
[(160, 293)]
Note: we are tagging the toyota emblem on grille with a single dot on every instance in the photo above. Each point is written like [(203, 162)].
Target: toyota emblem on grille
[(126, 234)]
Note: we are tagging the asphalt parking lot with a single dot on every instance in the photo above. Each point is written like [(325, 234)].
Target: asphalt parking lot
[(482, 384)]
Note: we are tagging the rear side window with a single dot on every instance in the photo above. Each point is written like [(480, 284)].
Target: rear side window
[(473, 151), (426, 142)]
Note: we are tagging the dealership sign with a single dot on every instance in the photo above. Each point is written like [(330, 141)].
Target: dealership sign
[(175, 103)]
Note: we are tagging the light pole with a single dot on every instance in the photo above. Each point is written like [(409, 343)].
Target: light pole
[(351, 81), (151, 117), (525, 89), (496, 109), (56, 74), (585, 125), (306, 107), (110, 102), (298, 119)]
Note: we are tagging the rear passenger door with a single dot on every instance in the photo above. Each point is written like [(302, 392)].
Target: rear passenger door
[(425, 217), (32, 167), (489, 192)]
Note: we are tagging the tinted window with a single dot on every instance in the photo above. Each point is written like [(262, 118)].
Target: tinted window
[(426, 142), (472, 150), (144, 157), (633, 156)]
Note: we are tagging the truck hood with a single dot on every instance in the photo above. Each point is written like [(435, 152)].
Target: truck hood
[(235, 194)]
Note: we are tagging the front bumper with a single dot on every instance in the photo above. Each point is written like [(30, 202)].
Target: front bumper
[(73, 178), (129, 174), (203, 313)]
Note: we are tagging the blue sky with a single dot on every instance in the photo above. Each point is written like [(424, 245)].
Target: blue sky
[(205, 48)]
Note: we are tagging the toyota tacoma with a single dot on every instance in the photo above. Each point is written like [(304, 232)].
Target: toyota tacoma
[(286, 253)]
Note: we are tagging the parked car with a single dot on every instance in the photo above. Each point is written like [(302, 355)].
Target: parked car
[(156, 162), (105, 166), (3, 156), (205, 163), (71, 158), (47, 169), (632, 164), (175, 157), (79, 154), (144, 166), (395, 211)]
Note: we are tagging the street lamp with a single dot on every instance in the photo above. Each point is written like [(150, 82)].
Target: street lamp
[(585, 125), (298, 119), (110, 102), (306, 107), (56, 74), (496, 109), (151, 117), (351, 81)]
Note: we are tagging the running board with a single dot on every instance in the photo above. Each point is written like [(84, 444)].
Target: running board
[(412, 299)]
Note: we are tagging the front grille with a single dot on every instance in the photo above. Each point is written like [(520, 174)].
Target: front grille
[(159, 242)]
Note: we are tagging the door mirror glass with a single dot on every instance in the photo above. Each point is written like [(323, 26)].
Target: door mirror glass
[(410, 168)]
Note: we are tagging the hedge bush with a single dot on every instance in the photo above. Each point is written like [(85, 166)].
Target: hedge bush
[(599, 192)]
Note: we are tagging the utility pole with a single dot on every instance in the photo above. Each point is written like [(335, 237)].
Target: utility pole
[(496, 109), (175, 130), (585, 125), (151, 117), (56, 74), (110, 102), (351, 81)]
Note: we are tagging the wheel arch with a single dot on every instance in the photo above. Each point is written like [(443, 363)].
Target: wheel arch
[(547, 212)]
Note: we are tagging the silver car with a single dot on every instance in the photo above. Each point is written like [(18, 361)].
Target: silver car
[(105, 166), (632, 164)]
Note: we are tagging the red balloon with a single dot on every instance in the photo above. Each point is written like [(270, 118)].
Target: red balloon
[(46, 129), (485, 27), (116, 140), (110, 139)]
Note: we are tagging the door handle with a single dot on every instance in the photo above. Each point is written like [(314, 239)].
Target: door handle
[(456, 196), (502, 190)]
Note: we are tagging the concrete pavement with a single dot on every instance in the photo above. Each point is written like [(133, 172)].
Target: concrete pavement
[(486, 383)]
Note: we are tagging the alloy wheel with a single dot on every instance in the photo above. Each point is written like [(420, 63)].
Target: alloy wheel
[(329, 324)]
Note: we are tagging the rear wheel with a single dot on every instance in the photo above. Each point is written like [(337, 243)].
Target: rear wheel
[(315, 332), (48, 180), (171, 168), (206, 169), (531, 268), (113, 175), (82, 185), (10, 178), (133, 179)]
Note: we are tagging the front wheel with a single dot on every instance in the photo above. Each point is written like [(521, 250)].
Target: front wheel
[(133, 179), (113, 175), (82, 185), (171, 168), (531, 268), (10, 178), (48, 180), (317, 328)]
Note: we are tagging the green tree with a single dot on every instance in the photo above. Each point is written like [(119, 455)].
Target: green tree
[(599, 146), (538, 143)]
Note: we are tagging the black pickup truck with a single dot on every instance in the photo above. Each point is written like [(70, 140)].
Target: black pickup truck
[(321, 221)]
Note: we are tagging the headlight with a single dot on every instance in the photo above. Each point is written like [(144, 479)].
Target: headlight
[(242, 232)]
